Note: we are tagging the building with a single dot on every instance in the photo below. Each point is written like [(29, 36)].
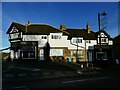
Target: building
[(116, 48), (29, 42)]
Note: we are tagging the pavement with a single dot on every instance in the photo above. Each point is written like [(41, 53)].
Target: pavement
[(21, 73)]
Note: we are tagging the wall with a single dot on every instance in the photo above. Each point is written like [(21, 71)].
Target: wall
[(41, 42)]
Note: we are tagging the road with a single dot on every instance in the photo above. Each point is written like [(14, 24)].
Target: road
[(105, 79)]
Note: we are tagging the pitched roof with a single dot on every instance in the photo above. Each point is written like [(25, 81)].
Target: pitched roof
[(20, 27), (39, 29), (45, 29), (117, 39), (81, 33)]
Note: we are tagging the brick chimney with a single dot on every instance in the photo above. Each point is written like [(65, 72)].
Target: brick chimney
[(63, 27), (88, 27)]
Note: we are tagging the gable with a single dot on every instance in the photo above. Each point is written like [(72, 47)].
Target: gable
[(14, 27), (14, 30), (103, 33)]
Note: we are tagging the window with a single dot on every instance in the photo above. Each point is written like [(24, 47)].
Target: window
[(15, 35), (15, 45), (56, 37), (44, 37), (56, 52), (80, 53), (88, 41), (28, 50), (103, 40), (77, 40), (101, 56)]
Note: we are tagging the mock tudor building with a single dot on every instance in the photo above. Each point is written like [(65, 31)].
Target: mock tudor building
[(28, 42)]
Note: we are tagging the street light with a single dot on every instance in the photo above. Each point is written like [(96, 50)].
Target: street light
[(100, 14)]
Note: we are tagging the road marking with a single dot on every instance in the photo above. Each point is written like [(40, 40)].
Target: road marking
[(8, 75), (20, 87), (36, 70), (85, 80), (22, 74), (79, 72), (22, 68), (46, 73)]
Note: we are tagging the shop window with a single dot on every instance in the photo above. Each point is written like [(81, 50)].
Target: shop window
[(101, 56), (25, 54), (28, 54)]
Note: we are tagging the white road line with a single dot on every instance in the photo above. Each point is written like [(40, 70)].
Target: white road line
[(85, 80), (36, 70), (8, 75), (22, 74), (20, 87)]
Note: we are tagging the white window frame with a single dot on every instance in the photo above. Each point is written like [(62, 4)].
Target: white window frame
[(75, 40), (55, 36)]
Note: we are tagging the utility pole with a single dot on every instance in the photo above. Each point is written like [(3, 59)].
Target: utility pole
[(103, 14), (77, 50), (99, 26)]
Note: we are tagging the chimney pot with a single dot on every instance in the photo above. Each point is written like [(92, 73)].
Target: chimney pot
[(88, 27), (63, 27)]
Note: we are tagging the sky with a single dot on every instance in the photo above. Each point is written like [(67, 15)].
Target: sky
[(73, 14)]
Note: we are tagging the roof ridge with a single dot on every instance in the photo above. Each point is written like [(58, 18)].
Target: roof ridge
[(17, 23), (43, 24)]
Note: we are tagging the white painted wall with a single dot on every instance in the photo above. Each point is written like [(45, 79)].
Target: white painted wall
[(91, 44), (62, 41), (41, 42)]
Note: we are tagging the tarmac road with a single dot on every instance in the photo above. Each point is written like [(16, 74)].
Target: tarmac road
[(104, 79), (23, 78)]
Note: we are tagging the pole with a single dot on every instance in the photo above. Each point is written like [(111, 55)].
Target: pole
[(99, 30), (77, 50)]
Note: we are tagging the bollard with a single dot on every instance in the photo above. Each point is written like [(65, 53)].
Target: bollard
[(81, 65), (87, 65), (92, 66)]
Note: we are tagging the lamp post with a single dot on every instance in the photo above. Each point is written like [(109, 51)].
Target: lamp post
[(99, 14), (77, 50)]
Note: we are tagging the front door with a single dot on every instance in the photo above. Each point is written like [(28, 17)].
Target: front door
[(90, 56), (41, 54)]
